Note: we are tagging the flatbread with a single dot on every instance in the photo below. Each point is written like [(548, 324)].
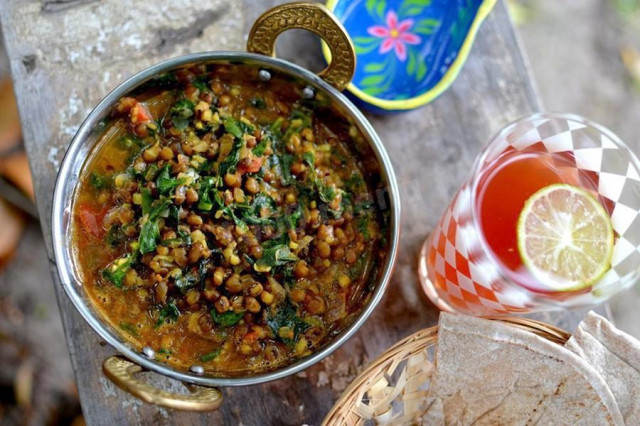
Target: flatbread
[(491, 373), (616, 357)]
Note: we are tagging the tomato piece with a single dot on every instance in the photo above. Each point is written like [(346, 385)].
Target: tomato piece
[(91, 220), (140, 114), (250, 165), (250, 337)]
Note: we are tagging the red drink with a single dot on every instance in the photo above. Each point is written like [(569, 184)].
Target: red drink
[(557, 172), (502, 191)]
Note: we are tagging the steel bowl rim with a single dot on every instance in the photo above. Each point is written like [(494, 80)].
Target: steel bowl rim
[(64, 266)]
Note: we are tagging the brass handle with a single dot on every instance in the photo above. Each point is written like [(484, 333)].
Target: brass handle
[(317, 19), (123, 373)]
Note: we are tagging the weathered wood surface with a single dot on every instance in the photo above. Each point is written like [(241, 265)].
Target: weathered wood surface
[(67, 54)]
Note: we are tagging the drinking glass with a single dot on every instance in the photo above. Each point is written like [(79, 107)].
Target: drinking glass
[(458, 269)]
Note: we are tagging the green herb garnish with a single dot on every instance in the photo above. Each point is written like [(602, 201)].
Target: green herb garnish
[(165, 183), (147, 200), (274, 256), (180, 113), (229, 164), (169, 312), (100, 182), (226, 319), (210, 356), (286, 316), (129, 328), (117, 269), (258, 103), (115, 236), (150, 230)]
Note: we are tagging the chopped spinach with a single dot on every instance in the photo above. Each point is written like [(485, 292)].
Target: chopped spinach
[(261, 147), (151, 172), (363, 227), (163, 81), (276, 127), (117, 269), (201, 85), (293, 218), (298, 120), (229, 164), (236, 127), (169, 312), (149, 234), (210, 356), (251, 213), (129, 328), (165, 183), (173, 218), (309, 158), (177, 242), (226, 319), (150, 231), (286, 160), (204, 194), (286, 316), (239, 222), (326, 192), (115, 236), (277, 255), (181, 112), (100, 182), (128, 142), (258, 103), (186, 281), (147, 200), (362, 206), (232, 126), (194, 277)]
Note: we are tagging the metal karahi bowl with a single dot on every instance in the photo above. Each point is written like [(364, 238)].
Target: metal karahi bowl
[(123, 369)]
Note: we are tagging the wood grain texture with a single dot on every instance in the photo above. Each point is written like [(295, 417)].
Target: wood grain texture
[(65, 59)]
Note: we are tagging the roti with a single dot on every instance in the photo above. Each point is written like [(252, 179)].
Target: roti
[(491, 373), (616, 357)]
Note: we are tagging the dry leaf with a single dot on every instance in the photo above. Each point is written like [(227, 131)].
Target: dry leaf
[(15, 168), (631, 60), (23, 385), (11, 226), (9, 120)]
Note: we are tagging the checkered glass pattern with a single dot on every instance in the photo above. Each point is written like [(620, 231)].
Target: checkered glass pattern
[(462, 276)]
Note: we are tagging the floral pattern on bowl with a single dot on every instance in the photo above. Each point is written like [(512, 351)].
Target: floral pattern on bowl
[(408, 51)]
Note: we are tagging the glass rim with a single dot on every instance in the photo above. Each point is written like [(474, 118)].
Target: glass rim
[(479, 166)]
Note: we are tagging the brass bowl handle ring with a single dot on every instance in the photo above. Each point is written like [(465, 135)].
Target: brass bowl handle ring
[(317, 19), (122, 373)]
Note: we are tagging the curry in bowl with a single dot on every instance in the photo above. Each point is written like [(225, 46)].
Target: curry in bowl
[(229, 218)]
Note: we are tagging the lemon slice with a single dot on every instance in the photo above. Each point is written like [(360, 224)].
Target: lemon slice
[(565, 238)]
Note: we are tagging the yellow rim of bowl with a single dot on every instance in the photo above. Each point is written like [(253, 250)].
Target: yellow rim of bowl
[(446, 80)]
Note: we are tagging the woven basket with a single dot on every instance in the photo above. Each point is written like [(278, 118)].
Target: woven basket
[(393, 389)]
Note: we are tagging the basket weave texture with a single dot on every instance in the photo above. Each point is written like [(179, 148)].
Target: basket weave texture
[(393, 389)]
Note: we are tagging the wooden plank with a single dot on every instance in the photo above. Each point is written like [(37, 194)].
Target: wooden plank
[(66, 55)]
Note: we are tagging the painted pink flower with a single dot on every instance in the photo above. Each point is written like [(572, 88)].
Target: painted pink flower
[(395, 35)]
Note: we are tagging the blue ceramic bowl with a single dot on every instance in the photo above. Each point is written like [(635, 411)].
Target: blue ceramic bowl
[(408, 51)]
